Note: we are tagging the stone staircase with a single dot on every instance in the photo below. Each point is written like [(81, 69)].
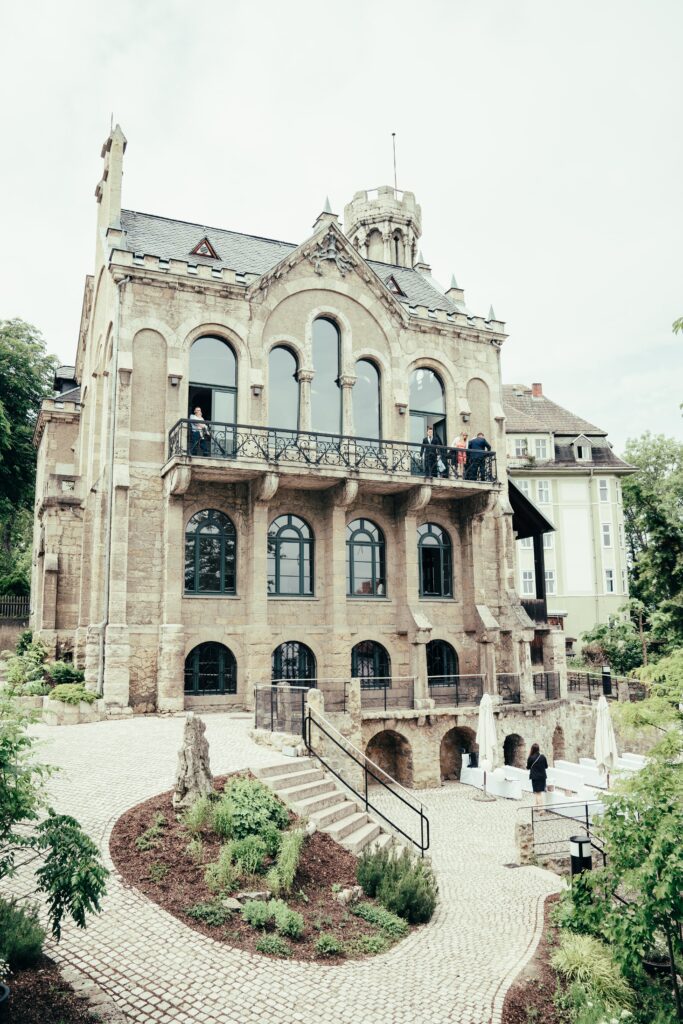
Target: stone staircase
[(308, 790)]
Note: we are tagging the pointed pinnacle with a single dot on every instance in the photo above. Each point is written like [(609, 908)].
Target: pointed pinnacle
[(492, 315), (420, 257), (454, 283), (327, 208)]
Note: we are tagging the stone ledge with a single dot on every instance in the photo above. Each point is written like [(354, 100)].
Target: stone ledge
[(101, 1004)]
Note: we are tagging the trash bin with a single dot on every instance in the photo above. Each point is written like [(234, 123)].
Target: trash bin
[(580, 854), (607, 680)]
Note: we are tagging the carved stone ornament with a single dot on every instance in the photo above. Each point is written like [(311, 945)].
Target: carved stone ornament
[(330, 249)]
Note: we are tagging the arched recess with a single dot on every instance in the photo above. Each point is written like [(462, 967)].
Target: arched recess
[(213, 379), (393, 753), (370, 660), (427, 408), (397, 248), (283, 388), (455, 746), (442, 663), (479, 401), (558, 744), (294, 662), (210, 669), (147, 405), (326, 403), (514, 750), (375, 246)]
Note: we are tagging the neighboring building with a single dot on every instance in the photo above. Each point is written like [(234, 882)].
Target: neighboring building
[(566, 466)]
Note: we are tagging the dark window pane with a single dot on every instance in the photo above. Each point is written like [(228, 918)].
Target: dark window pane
[(366, 400), (431, 571), (325, 390), (212, 362), (283, 390)]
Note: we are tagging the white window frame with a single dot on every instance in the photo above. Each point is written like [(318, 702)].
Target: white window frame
[(524, 486), (528, 581), (584, 452), (541, 447), (603, 489), (620, 529), (526, 542), (624, 581), (521, 447), (550, 582), (541, 487), (606, 531), (548, 541), (610, 582)]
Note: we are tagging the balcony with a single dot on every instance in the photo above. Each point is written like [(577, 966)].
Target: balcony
[(232, 452)]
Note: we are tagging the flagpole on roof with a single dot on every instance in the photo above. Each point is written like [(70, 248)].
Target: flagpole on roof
[(393, 140)]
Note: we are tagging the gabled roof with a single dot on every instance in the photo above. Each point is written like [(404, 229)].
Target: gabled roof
[(250, 254), (546, 415)]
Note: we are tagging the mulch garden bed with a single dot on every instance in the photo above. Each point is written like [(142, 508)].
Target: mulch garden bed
[(323, 864), (39, 995), (532, 996)]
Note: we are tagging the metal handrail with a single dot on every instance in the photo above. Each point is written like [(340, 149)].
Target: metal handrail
[(316, 448), (363, 761)]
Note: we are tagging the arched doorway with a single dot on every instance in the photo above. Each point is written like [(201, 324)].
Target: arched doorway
[(455, 745), (558, 744), (393, 754), (514, 750)]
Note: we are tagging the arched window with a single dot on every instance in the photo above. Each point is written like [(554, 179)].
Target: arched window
[(283, 389), (326, 408), (213, 379), (436, 561), (210, 554), (442, 662), (369, 660), (366, 558), (427, 405), (210, 668), (367, 420), (293, 662), (290, 557), (397, 247)]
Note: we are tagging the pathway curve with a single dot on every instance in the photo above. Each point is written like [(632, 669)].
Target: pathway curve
[(457, 969)]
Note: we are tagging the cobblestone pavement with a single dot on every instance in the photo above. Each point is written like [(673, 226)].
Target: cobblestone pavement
[(456, 969)]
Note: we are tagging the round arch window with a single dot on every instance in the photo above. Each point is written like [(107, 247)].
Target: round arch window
[(210, 669)]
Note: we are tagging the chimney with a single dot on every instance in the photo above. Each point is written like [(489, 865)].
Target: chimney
[(537, 391)]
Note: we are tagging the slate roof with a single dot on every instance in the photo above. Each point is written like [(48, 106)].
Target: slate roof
[(249, 254), (547, 416), (74, 395)]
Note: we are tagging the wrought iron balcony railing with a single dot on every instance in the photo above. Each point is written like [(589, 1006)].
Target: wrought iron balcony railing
[(455, 690), (211, 440)]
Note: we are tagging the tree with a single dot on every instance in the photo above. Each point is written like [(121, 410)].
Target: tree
[(661, 710), (26, 377), (70, 873), (615, 643)]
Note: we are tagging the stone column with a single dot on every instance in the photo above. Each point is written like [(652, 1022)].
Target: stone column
[(171, 660), (116, 689), (526, 679), (555, 658), (171, 668), (347, 382), (92, 657), (262, 491), (305, 378), (48, 619), (418, 669), (487, 664), (341, 498)]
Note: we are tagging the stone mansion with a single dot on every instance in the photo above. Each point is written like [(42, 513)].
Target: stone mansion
[(233, 483)]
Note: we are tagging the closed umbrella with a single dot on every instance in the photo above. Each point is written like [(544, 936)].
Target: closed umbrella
[(605, 749), (487, 740)]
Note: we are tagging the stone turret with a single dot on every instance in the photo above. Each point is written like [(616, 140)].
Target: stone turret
[(384, 224)]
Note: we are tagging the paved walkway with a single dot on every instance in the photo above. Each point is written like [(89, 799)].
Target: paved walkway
[(456, 969)]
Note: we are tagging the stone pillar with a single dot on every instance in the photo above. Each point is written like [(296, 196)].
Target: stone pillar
[(487, 665), (171, 660), (92, 657), (341, 498), (526, 679), (171, 668), (418, 669), (49, 596), (305, 378), (347, 382), (116, 690), (555, 657), (261, 493)]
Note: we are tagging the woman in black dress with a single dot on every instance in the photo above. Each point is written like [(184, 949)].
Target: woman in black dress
[(537, 766)]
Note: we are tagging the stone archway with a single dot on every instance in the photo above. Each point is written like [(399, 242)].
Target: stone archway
[(514, 750), (454, 743), (394, 755), (559, 753)]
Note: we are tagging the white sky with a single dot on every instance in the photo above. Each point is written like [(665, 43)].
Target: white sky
[(541, 137)]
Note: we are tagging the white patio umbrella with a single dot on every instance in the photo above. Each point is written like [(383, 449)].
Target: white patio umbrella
[(605, 750), (486, 736)]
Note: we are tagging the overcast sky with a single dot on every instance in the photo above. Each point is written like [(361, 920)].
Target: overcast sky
[(542, 138)]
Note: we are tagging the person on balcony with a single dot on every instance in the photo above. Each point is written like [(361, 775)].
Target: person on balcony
[(458, 455), (476, 459), (430, 453), (199, 434)]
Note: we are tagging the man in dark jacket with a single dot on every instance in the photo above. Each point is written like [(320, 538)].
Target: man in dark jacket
[(430, 453), (476, 460)]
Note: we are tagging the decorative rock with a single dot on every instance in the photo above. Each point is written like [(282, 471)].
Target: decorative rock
[(351, 895), (310, 828), (244, 897), (230, 903), (193, 777)]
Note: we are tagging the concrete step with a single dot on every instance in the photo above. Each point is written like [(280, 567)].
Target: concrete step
[(293, 764), (281, 783), (382, 841), (328, 815), (339, 829), (317, 803), (297, 793), (356, 841)]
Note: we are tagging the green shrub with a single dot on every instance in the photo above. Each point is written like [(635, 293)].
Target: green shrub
[(251, 807), (328, 945), (288, 858), (274, 945), (389, 923), (257, 913), (272, 837), (222, 875), (587, 961), (212, 913), (151, 837), (36, 688), (195, 850), (63, 672), (408, 888), (198, 816), (369, 944), (273, 881), (370, 870), (249, 854), (26, 667), (287, 922), (25, 640), (222, 814), (21, 935), (73, 693), (158, 872)]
